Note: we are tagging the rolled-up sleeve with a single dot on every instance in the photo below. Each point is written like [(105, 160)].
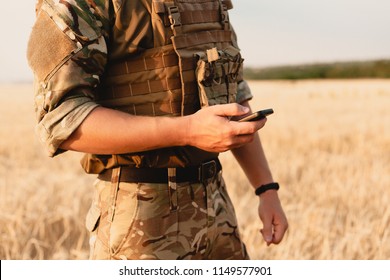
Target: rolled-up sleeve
[(67, 52), (243, 92)]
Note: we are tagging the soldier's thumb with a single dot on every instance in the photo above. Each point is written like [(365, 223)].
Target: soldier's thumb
[(267, 234)]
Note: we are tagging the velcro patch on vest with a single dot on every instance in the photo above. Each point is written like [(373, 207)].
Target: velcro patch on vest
[(48, 46)]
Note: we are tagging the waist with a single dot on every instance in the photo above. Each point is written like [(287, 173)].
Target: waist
[(200, 173), (161, 158)]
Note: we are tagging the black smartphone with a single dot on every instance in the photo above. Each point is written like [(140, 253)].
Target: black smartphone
[(257, 115)]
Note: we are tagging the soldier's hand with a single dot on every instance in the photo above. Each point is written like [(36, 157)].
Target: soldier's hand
[(272, 215), (212, 130)]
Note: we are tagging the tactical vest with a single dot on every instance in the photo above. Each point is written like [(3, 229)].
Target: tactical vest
[(194, 64)]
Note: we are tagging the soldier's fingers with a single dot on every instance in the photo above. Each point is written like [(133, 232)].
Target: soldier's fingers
[(228, 110), (279, 231), (241, 128), (267, 237), (267, 232)]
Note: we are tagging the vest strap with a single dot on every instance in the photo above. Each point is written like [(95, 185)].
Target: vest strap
[(143, 64), (224, 16), (200, 38), (138, 89)]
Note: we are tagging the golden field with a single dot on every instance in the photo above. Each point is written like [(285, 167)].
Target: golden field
[(328, 145)]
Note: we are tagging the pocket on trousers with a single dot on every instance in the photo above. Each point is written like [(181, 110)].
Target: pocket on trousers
[(93, 217), (126, 208), (143, 225)]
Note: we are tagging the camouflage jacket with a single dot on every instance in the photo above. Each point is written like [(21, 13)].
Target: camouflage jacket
[(70, 46)]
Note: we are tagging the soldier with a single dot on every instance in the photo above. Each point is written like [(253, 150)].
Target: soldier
[(149, 90)]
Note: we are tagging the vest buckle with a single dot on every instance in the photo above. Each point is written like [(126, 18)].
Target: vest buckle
[(174, 16)]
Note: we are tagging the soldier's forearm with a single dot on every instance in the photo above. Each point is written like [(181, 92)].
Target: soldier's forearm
[(107, 131), (253, 161)]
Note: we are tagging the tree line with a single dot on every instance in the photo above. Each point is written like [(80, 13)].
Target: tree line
[(337, 70)]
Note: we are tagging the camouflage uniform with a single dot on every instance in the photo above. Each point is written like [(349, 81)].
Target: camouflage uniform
[(72, 44), (143, 225)]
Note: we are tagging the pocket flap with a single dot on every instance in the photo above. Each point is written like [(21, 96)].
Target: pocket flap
[(92, 218)]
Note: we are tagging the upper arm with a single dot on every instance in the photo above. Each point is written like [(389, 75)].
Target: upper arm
[(66, 49), (67, 52)]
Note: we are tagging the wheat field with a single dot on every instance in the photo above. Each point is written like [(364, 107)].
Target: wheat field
[(328, 145)]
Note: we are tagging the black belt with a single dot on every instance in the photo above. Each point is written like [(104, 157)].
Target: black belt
[(201, 173)]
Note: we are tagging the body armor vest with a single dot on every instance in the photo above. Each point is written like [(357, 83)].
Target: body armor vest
[(194, 64), (197, 64)]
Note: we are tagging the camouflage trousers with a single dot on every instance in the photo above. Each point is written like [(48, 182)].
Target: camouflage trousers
[(137, 221)]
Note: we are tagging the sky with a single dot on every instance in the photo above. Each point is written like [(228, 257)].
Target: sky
[(270, 32)]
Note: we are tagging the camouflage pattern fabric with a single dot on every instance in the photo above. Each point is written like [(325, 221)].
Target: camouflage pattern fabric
[(68, 50), (135, 221)]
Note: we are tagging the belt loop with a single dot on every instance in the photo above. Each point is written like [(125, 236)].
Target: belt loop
[(172, 188), (115, 176)]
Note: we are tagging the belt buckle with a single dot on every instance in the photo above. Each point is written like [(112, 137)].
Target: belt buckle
[(207, 170)]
